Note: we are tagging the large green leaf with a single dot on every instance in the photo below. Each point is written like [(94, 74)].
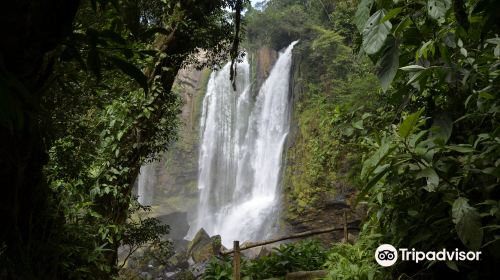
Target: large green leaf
[(437, 8), (392, 14), (467, 223), (375, 33), (402, 26), (409, 124), (432, 178), (462, 148), (358, 124), (418, 76), (388, 64), (362, 14), (374, 161), (441, 129), (132, 71), (381, 172), (413, 68)]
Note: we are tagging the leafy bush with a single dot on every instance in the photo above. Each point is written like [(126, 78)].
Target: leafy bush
[(331, 85), (432, 179), (346, 261), (424, 150), (219, 268), (300, 256)]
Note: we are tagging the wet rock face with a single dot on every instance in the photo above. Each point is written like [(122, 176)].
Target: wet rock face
[(176, 188), (266, 57), (329, 213), (173, 179), (306, 205), (179, 228)]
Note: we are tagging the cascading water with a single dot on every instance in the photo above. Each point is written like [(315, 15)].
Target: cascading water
[(145, 184), (242, 140)]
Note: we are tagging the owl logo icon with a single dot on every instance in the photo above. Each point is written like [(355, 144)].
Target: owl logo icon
[(386, 255)]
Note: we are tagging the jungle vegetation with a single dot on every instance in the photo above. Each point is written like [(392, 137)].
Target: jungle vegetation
[(85, 99), (398, 99)]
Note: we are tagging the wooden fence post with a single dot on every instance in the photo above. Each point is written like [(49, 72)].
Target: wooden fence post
[(236, 260)]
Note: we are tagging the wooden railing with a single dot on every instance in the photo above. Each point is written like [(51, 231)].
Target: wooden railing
[(236, 251)]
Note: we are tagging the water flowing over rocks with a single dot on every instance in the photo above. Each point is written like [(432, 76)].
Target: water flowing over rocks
[(242, 141)]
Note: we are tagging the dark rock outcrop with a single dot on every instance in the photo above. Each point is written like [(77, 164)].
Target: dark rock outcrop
[(179, 229), (203, 247), (266, 57)]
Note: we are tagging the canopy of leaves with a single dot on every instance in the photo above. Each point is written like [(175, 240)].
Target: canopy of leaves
[(432, 180), (85, 100)]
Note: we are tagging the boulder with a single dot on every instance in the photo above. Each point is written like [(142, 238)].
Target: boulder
[(203, 247), (265, 251), (204, 253), (198, 269), (178, 261), (351, 238), (200, 239), (258, 252)]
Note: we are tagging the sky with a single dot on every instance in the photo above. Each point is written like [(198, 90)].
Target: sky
[(255, 2)]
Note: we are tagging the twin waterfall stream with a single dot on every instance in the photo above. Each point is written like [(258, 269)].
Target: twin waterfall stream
[(242, 138)]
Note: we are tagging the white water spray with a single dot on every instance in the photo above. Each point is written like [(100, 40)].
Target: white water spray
[(146, 184), (242, 140)]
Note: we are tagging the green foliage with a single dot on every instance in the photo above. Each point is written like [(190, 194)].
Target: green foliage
[(467, 223), (219, 269), (131, 71), (375, 32), (143, 241), (346, 261), (284, 21), (432, 180), (389, 63), (277, 25), (362, 14), (424, 151), (137, 234), (437, 8), (330, 99), (341, 19), (300, 256), (96, 105)]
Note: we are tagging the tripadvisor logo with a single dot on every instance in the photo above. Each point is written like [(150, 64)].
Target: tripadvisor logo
[(387, 255)]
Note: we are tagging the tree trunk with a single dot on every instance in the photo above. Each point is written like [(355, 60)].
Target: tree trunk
[(30, 30)]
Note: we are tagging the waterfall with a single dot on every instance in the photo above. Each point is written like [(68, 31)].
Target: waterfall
[(242, 140), (146, 184)]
